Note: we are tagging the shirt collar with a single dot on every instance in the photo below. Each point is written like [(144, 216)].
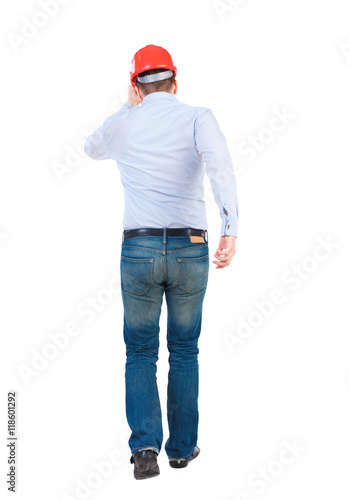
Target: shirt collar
[(159, 95)]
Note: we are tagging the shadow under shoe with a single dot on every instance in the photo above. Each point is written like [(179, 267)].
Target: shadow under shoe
[(179, 464), (145, 464)]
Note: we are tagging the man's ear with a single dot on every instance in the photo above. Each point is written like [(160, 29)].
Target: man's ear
[(175, 87), (139, 93)]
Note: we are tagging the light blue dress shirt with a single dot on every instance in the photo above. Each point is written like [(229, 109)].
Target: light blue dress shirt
[(163, 148)]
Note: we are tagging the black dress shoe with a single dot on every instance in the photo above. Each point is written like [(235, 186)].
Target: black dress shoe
[(146, 464), (179, 464)]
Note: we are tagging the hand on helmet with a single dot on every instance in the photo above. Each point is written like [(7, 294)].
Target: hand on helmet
[(133, 96)]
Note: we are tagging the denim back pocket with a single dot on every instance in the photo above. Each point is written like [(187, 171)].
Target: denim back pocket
[(193, 273), (136, 275)]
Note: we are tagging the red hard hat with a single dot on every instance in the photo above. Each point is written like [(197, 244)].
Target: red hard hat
[(151, 57)]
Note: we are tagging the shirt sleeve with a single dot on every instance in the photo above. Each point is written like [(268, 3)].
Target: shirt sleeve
[(96, 145), (212, 147)]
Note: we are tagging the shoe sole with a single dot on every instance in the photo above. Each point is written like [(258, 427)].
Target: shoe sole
[(175, 464), (146, 475)]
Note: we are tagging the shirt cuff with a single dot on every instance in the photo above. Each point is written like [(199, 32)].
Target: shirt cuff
[(229, 227)]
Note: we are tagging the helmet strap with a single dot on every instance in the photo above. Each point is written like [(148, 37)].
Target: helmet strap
[(156, 77)]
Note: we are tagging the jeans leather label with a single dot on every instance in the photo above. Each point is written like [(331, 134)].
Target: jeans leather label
[(197, 239)]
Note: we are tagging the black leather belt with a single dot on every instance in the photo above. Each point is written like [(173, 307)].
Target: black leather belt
[(185, 231)]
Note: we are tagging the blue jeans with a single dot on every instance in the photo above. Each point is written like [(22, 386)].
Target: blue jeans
[(149, 267)]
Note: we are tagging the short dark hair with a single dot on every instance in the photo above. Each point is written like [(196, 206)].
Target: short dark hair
[(161, 86)]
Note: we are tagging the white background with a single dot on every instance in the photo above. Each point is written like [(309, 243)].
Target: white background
[(60, 238)]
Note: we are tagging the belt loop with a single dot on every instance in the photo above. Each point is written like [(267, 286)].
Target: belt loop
[(164, 235), (123, 236), (206, 235)]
